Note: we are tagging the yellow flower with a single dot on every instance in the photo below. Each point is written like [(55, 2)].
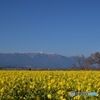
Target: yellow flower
[(2, 90), (98, 89), (52, 81), (60, 83), (49, 87), (79, 88), (61, 92), (31, 86), (2, 81), (63, 99), (88, 89), (77, 98), (49, 96), (54, 86), (49, 84), (44, 87), (9, 97)]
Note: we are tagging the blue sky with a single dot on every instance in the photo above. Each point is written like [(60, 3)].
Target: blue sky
[(67, 27)]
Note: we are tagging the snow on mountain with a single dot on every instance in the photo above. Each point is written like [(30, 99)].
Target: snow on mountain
[(35, 60)]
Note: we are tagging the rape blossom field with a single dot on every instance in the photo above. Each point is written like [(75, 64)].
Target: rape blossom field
[(48, 85)]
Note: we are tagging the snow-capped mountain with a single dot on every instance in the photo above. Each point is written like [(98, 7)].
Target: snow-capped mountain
[(35, 60)]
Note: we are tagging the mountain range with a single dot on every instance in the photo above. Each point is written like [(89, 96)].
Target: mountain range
[(37, 60)]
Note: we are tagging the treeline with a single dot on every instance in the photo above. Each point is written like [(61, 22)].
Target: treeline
[(90, 63)]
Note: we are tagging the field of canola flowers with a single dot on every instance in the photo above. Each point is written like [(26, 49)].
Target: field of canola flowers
[(48, 85)]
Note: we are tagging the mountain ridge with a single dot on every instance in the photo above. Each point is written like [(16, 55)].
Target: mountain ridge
[(36, 60)]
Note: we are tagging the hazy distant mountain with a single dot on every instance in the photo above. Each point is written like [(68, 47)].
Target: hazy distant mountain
[(35, 60)]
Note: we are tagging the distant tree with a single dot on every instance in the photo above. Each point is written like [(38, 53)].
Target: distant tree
[(80, 60), (73, 67), (83, 62), (89, 62), (96, 58), (29, 69)]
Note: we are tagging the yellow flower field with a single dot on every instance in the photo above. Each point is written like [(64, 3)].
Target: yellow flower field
[(48, 85)]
